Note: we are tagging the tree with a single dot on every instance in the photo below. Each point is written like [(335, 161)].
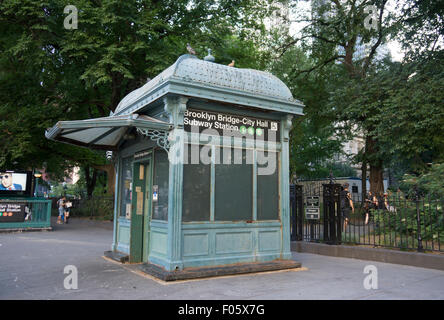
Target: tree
[(49, 73), (332, 35), (311, 144), (430, 183), (403, 100), (334, 30)]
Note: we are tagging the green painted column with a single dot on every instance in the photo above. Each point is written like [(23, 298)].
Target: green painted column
[(117, 170), (285, 186), (176, 107)]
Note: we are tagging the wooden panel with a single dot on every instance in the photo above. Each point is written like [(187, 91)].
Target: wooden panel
[(159, 242), (195, 244), (234, 242), (269, 240), (124, 234)]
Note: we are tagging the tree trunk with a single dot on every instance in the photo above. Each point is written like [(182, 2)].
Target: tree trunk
[(363, 181), (376, 166), (376, 177)]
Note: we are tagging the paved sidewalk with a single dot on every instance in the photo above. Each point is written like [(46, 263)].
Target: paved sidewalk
[(32, 263)]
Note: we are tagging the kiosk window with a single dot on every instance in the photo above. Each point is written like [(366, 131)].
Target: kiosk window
[(196, 187), (233, 184), (160, 184), (127, 179), (267, 186)]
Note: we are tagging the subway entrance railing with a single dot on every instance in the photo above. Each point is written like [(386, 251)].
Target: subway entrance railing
[(25, 213)]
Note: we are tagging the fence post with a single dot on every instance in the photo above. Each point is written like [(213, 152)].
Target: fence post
[(332, 213), (300, 211), (293, 214), (418, 220)]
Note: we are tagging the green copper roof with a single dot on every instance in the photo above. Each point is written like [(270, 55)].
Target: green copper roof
[(194, 77)]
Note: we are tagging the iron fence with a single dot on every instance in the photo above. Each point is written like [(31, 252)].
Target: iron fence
[(94, 207), (392, 221)]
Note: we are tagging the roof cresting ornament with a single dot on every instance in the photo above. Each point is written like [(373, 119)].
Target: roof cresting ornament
[(209, 57)]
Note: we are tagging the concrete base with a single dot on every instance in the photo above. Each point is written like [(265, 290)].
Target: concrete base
[(117, 256), (215, 271), (12, 230), (416, 259)]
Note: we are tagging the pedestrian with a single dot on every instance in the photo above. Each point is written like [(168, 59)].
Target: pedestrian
[(61, 207), (346, 204), (388, 206), (371, 202), (68, 205), (380, 204)]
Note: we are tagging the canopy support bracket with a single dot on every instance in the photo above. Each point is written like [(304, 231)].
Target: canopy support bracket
[(160, 137)]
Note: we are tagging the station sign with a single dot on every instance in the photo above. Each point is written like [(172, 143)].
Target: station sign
[(12, 212), (236, 125), (312, 211), (142, 154)]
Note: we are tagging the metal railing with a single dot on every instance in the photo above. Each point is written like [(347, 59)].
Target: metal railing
[(398, 222), (35, 213), (395, 221)]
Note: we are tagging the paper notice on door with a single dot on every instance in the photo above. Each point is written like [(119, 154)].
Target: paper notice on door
[(141, 171), (139, 210), (128, 211)]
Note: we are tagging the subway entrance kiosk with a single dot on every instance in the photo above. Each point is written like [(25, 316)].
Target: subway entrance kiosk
[(202, 159)]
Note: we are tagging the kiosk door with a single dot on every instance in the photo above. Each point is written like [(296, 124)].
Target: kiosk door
[(140, 215)]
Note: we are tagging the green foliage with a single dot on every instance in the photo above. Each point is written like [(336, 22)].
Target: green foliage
[(342, 170), (49, 73), (397, 107), (405, 221), (311, 143), (422, 27), (69, 190), (431, 182), (400, 105), (96, 207)]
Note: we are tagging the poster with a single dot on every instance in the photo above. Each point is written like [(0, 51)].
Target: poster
[(12, 212)]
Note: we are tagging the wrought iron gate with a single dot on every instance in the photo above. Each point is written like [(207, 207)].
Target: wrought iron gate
[(316, 213)]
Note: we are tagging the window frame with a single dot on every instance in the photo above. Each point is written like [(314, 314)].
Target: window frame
[(212, 185)]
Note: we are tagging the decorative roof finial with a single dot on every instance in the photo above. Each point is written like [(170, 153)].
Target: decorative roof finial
[(209, 57)]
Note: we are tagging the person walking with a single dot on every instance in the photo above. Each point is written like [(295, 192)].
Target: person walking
[(371, 202), (68, 205), (61, 207), (346, 204)]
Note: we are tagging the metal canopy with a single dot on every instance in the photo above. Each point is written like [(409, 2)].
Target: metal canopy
[(103, 133)]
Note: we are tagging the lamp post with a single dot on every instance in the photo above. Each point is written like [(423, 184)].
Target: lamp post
[(37, 175)]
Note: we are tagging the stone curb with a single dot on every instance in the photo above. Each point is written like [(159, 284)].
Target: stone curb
[(416, 259)]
